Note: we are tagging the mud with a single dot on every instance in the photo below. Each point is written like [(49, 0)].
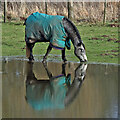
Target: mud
[(108, 54), (103, 38), (114, 25), (57, 90)]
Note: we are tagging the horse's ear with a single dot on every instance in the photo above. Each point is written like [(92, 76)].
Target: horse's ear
[(79, 44)]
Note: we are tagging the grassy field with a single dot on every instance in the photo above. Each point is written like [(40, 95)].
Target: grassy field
[(101, 42)]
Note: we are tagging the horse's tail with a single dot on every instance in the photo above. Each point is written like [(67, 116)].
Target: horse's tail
[(23, 19), (25, 22), (27, 51)]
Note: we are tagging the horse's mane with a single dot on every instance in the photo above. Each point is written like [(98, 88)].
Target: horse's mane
[(74, 27)]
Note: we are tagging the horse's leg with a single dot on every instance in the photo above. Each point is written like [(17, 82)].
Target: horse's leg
[(47, 70), (63, 55), (31, 55), (48, 51), (30, 78), (29, 48), (63, 69)]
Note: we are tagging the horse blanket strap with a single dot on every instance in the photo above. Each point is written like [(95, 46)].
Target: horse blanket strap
[(49, 27)]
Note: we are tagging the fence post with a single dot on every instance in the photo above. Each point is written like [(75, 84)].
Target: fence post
[(46, 7), (5, 9), (70, 9), (104, 13)]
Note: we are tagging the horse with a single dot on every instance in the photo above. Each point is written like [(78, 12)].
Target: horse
[(70, 32), (55, 92)]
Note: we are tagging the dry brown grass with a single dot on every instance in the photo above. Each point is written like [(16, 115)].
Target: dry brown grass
[(89, 11)]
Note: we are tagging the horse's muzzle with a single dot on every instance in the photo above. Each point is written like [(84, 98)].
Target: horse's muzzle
[(85, 60)]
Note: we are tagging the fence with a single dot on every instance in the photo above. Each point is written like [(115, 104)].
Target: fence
[(80, 11)]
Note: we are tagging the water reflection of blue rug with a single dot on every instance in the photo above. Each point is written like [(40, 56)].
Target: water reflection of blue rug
[(51, 97)]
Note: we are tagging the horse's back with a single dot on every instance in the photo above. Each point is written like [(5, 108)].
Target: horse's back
[(40, 24), (44, 28)]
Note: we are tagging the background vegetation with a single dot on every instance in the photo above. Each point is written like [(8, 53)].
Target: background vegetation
[(82, 11)]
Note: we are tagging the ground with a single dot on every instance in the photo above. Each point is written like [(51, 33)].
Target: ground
[(101, 42)]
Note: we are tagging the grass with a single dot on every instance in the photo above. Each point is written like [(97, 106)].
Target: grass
[(100, 42)]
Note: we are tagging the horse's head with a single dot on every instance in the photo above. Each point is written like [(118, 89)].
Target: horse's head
[(80, 52)]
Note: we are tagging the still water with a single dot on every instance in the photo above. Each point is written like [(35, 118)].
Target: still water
[(56, 90)]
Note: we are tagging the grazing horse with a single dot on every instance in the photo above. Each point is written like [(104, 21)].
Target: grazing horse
[(58, 30)]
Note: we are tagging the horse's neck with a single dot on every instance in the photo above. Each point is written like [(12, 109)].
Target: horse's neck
[(75, 40), (72, 31)]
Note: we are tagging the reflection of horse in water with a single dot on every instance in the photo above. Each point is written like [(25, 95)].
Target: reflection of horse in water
[(57, 92)]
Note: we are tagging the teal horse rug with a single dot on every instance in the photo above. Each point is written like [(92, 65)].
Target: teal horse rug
[(49, 26)]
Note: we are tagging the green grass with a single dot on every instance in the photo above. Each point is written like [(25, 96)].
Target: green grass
[(99, 50)]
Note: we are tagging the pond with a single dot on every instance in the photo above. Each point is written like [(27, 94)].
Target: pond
[(57, 90)]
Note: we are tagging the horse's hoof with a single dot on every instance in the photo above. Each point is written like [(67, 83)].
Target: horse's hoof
[(44, 64), (65, 60), (31, 60), (44, 61)]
